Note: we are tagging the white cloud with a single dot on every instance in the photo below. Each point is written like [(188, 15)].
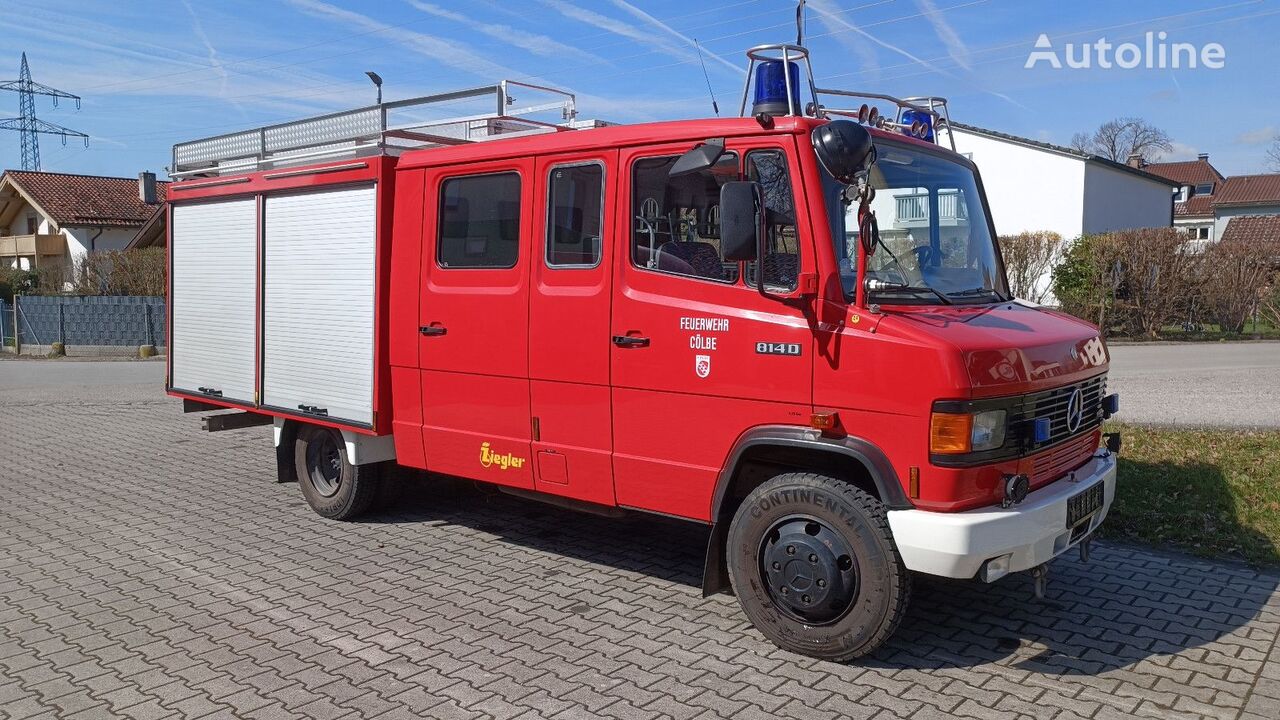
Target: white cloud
[(1258, 136), (1180, 151), (541, 45), (688, 41), (839, 27), (947, 34)]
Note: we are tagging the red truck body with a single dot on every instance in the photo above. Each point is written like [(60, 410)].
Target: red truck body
[(603, 380)]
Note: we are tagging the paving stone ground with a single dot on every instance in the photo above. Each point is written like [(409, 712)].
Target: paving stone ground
[(150, 570)]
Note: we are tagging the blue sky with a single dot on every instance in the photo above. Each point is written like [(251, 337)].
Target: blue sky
[(156, 73)]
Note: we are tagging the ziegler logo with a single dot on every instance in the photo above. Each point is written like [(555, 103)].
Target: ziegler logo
[(488, 458)]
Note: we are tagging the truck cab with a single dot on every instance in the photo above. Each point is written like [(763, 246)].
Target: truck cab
[(793, 327)]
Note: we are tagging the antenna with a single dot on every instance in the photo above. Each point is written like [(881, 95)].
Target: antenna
[(27, 124), (714, 105), (800, 19)]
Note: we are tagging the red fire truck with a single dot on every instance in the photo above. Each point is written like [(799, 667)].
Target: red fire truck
[(791, 326)]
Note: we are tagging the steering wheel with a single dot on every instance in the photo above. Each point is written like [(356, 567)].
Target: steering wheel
[(925, 255)]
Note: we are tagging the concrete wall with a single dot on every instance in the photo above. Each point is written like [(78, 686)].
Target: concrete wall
[(1119, 200), (1028, 189), (1224, 215)]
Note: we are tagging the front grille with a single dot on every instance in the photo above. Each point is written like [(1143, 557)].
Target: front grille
[(1053, 404), (1055, 462)]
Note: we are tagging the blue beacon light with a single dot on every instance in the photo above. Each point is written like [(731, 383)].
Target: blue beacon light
[(771, 88), (910, 116)]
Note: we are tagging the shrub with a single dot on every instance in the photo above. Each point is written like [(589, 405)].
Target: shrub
[(121, 272), (1129, 281), (1235, 278), (1028, 257)]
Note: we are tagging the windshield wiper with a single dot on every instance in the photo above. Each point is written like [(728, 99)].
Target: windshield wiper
[(977, 291), (882, 286)]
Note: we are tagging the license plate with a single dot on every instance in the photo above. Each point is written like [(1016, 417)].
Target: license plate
[(1082, 505)]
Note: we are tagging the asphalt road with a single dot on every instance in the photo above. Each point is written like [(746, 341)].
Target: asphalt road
[(1198, 384), (149, 569)]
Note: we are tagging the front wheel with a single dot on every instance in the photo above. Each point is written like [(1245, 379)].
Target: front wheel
[(813, 563), (332, 486)]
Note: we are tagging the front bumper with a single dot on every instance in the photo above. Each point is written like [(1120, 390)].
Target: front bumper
[(1034, 532)]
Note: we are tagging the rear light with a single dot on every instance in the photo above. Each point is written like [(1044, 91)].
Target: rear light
[(950, 433)]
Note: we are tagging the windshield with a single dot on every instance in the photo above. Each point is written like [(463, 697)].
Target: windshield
[(935, 243)]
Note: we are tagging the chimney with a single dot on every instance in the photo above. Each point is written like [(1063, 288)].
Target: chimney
[(1203, 157), (1135, 161), (147, 187)]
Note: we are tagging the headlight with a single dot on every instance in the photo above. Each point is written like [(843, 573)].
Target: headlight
[(960, 433), (988, 430)]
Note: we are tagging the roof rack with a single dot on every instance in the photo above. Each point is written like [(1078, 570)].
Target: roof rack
[(386, 128)]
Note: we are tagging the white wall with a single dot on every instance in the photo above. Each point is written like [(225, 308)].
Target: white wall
[(1027, 189), (80, 240), (1223, 216), (1119, 200)]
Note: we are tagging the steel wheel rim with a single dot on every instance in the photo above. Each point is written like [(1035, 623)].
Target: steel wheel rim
[(809, 570), (324, 465)]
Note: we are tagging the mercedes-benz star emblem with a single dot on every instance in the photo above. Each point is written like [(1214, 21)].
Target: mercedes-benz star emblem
[(1075, 411)]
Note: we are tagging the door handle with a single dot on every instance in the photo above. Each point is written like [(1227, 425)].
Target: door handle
[(626, 341), (433, 330)]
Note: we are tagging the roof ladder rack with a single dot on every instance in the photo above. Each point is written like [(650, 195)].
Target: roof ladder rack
[(387, 128)]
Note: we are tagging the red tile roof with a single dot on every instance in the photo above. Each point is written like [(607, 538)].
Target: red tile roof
[(72, 200), (1249, 190), (1189, 172), (1196, 206), (1253, 229)]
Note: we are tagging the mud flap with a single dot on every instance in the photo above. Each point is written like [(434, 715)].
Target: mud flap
[(715, 572)]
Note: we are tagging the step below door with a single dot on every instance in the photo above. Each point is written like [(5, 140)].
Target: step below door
[(214, 259), (318, 297)]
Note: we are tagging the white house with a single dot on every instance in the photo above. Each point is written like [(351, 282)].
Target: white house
[(1033, 186), (1245, 196), (1199, 183), (57, 218)]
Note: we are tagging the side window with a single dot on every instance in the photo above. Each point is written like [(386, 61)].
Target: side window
[(675, 223), (782, 245), (575, 215), (479, 221)]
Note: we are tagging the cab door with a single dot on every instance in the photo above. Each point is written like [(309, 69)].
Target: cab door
[(700, 356), (569, 325), (474, 321)]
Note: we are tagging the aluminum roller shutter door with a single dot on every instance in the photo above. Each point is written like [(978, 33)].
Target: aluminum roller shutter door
[(214, 252), (318, 300)]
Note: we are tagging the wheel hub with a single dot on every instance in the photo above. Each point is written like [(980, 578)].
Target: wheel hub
[(809, 570), (324, 465)]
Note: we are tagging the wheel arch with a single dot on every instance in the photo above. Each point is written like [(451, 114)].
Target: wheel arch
[(766, 451)]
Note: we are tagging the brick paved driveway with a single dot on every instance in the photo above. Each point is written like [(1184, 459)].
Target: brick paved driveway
[(150, 570)]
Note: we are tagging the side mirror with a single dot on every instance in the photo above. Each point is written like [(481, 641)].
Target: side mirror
[(699, 158), (844, 148), (741, 220)]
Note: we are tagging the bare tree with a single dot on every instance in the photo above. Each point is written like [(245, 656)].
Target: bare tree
[(1028, 258), (1118, 139), (1274, 154)]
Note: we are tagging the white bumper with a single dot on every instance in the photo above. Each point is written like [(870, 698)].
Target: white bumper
[(957, 544)]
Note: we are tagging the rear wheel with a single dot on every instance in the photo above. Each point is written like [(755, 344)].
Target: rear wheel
[(332, 486), (815, 568)]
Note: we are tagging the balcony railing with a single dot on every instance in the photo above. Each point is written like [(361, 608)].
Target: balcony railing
[(33, 246), (914, 208)]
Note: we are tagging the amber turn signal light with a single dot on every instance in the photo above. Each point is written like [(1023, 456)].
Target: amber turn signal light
[(950, 433)]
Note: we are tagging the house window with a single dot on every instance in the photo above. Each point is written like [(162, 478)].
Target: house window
[(479, 222), (33, 225), (1181, 194), (1204, 189), (1202, 233)]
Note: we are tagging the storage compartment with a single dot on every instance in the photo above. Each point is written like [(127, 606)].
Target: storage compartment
[(213, 291), (319, 278)]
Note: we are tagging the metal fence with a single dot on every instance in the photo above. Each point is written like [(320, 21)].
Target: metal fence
[(94, 321)]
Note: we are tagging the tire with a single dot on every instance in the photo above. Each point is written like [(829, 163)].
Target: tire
[(332, 486), (814, 566)]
